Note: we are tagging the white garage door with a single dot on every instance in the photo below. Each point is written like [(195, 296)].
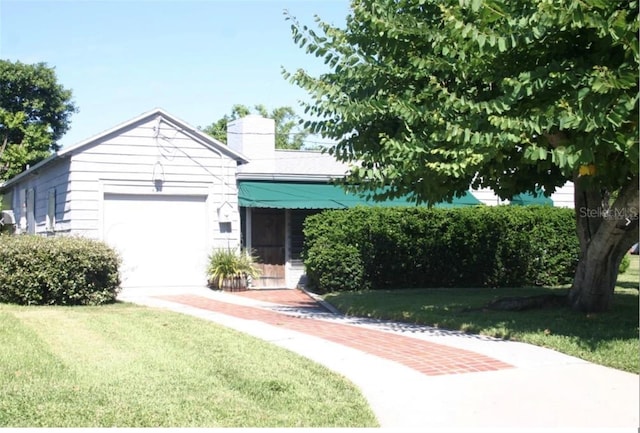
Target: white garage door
[(162, 239)]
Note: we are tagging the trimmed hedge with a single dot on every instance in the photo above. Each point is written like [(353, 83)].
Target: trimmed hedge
[(389, 248), (36, 270)]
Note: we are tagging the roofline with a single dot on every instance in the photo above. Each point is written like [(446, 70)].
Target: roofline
[(201, 136), (29, 171), (176, 122), (287, 177)]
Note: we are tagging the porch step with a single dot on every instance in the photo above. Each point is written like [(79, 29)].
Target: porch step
[(269, 283)]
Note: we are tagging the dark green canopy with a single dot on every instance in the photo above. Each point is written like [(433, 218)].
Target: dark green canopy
[(305, 195), (527, 199)]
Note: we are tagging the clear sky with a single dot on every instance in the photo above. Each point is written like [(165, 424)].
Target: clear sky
[(195, 59)]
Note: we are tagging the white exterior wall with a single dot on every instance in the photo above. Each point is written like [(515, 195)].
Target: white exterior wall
[(564, 196), (488, 197), (54, 178), (130, 161), (294, 272)]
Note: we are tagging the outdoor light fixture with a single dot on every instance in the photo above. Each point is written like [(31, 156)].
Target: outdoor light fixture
[(158, 175)]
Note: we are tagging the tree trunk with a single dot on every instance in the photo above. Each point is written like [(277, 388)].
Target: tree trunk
[(606, 233)]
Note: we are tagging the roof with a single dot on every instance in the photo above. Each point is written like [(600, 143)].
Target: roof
[(189, 130), (309, 195), (299, 165)]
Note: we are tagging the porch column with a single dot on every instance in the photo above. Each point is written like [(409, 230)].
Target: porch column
[(247, 228)]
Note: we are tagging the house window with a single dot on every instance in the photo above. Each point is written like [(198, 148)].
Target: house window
[(51, 210)]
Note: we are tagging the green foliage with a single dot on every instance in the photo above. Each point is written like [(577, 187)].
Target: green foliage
[(35, 112), (432, 96), (392, 248), (429, 97), (226, 265), (37, 270), (335, 267), (288, 135), (624, 264)]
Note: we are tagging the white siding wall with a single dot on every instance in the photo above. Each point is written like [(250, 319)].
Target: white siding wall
[(129, 162), (487, 196), (563, 197), (294, 273), (56, 178)]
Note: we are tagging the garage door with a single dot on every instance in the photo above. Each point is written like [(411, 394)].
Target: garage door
[(162, 240)]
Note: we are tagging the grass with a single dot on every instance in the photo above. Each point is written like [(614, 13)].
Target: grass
[(609, 339), (129, 366)]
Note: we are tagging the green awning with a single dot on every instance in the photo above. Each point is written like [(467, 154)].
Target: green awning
[(528, 199), (302, 195)]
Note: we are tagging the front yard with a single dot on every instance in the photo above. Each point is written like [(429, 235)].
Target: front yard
[(128, 366), (609, 339)]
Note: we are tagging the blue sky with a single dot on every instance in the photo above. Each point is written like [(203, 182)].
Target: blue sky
[(195, 59)]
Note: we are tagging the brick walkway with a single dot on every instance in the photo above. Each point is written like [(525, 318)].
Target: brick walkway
[(426, 357), (290, 298)]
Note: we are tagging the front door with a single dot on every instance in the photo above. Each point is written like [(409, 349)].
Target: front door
[(268, 244)]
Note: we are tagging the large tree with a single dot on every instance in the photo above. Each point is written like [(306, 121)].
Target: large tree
[(430, 97), (288, 133), (35, 113)]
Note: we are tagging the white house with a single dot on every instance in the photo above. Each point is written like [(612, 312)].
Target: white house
[(158, 190), (165, 195)]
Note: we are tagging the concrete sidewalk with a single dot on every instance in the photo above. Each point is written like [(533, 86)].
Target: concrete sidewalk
[(425, 378)]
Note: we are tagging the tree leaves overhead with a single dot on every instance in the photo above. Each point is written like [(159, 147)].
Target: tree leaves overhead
[(432, 96), (35, 112), (288, 133)]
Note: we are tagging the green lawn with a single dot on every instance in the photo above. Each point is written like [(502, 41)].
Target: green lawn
[(129, 366), (609, 339)]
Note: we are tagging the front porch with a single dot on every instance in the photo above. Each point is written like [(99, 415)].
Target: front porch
[(275, 237)]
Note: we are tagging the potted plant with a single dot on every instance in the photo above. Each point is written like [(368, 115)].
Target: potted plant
[(231, 269)]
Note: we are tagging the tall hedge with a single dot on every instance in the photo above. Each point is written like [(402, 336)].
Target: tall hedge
[(37, 270), (484, 246)]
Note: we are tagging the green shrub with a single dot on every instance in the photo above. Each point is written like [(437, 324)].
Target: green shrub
[(37, 270), (484, 246), (230, 269), (335, 269)]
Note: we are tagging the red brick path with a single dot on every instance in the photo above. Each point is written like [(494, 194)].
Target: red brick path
[(426, 357), (288, 297)]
